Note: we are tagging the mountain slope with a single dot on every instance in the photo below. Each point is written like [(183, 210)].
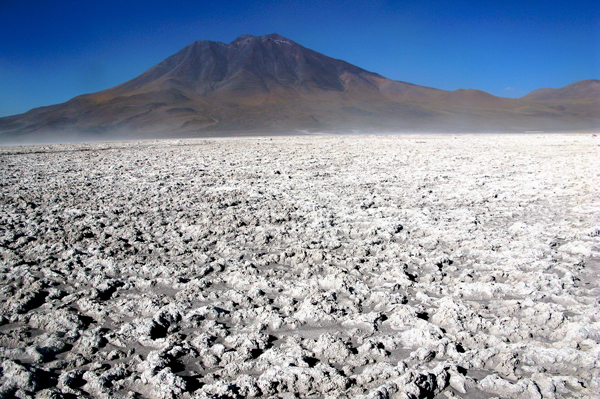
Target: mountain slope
[(584, 90), (270, 83)]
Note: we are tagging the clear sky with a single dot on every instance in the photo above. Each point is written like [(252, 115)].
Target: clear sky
[(51, 51)]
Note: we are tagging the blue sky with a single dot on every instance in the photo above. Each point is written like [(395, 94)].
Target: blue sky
[(51, 51)]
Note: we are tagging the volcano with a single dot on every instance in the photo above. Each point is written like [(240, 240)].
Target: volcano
[(270, 84)]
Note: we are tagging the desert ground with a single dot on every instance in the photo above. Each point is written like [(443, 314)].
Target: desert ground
[(398, 266)]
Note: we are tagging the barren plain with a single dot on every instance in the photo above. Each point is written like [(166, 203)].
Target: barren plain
[(425, 266)]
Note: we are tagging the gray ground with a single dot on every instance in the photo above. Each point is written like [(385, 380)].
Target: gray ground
[(397, 266)]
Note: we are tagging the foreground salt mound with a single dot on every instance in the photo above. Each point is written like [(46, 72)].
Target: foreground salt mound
[(371, 267)]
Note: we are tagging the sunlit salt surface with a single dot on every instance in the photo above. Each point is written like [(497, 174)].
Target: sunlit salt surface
[(392, 266)]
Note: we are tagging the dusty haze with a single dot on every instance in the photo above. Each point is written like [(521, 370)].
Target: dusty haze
[(270, 84)]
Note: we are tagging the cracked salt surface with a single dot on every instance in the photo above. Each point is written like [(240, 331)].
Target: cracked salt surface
[(397, 266)]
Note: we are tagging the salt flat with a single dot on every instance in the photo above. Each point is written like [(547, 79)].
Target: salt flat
[(359, 266)]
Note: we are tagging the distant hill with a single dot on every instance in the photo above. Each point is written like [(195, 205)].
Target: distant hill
[(584, 90), (270, 84)]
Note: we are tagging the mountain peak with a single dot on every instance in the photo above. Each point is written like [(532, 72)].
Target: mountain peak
[(271, 82), (242, 38), (273, 37)]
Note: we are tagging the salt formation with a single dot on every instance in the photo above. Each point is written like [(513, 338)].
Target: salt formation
[(365, 267)]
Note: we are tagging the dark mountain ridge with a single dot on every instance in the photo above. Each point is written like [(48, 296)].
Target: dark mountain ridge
[(268, 84)]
